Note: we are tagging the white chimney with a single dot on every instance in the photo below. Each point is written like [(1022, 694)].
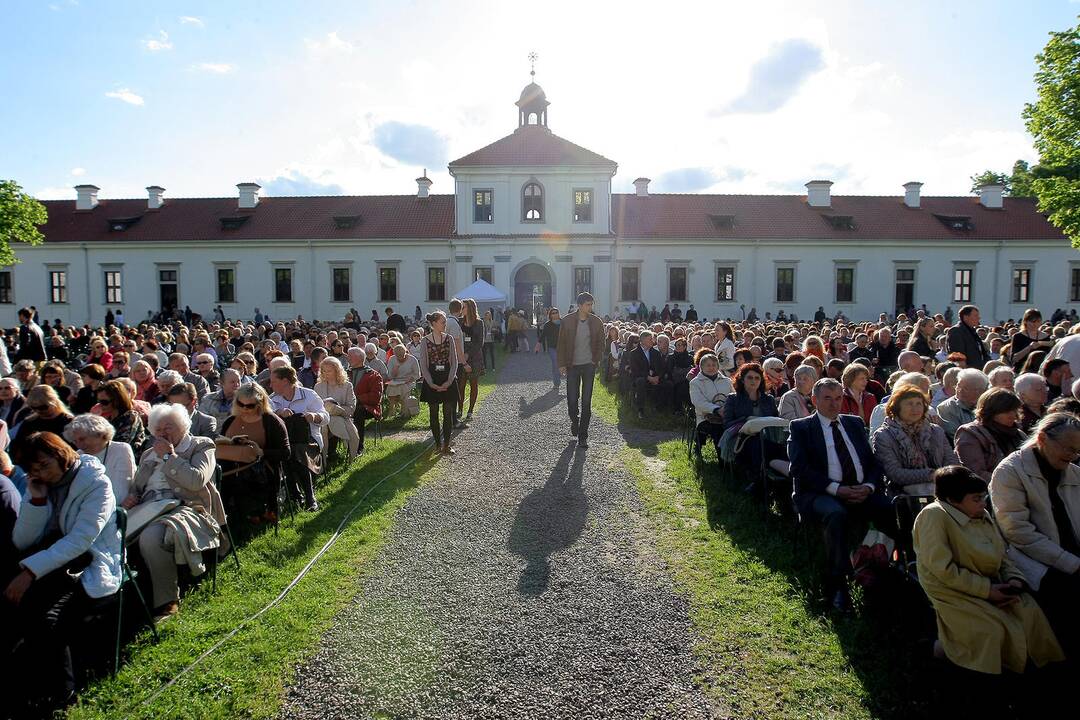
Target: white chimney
[(249, 195), (991, 195), (817, 193), (423, 185), (156, 197), (641, 185), (87, 197), (911, 194)]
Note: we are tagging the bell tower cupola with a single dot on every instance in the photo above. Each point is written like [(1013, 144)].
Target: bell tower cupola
[(533, 103)]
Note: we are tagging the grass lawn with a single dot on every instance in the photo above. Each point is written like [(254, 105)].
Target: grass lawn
[(768, 646), (247, 676)]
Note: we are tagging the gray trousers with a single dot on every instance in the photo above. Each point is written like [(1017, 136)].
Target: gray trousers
[(160, 559)]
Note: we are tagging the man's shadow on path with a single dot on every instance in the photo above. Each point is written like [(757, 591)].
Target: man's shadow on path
[(549, 519), (539, 404)]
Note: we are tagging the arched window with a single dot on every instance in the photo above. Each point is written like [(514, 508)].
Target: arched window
[(532, 203)]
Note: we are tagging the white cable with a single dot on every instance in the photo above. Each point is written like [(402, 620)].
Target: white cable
[(281, 596)]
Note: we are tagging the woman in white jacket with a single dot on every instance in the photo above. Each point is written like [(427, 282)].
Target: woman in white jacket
[(708, 390), (725, 347)]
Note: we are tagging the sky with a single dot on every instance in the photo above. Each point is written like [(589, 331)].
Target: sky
[(317, 98)]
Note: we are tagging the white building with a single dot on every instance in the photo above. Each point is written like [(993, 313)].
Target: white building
[(534, 215)]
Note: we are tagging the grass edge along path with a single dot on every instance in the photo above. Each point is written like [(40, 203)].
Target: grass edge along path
[(248, 675)]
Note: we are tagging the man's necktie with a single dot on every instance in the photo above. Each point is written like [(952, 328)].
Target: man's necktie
[(848, 474)]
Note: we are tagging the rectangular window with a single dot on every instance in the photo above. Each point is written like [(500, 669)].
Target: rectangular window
[(7, 297), (582, 281), (785, 284), (583, 206), (1074, 289), (342, 286), (388, 284), (57, 286), (485, 273), (114, 293), (283, 285), (226, 285), (1021, 285), (628, 283), (962, 281), (676, 277), (725, 284), (483, 206), (845, 284), (168, 289), (905, 289), (436, 284)]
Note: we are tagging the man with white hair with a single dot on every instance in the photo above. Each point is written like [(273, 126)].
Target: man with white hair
[(165, 381), (218, 404), (1033, 392), (910, 361), (1002, 377), (204, 366), (179, 363), (960, 408)]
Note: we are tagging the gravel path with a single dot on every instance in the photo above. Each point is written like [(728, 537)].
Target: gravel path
[(521, 583)]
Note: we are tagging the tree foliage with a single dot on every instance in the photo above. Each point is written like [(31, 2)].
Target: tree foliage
[(1054, 122), (20, 216), (988, 177)]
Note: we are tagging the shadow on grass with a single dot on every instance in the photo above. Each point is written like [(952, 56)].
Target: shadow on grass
[(886, 643)]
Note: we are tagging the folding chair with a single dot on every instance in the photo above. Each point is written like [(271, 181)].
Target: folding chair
[(907, 508), (127, 575), (754, 430), (228, 531)]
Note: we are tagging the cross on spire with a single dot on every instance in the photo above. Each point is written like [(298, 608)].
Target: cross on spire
[(533, 57)]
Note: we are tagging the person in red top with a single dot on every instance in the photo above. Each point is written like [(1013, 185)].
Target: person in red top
[(857, 399), (369, 392)]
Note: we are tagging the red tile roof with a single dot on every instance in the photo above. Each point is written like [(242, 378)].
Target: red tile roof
[(784, 217), (533, 145), (748, 217), (275, 218)]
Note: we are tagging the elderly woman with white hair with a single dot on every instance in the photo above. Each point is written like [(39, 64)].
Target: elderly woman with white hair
[(1002, 377), (1033, 393), (374, 361), (181, 466), (93, 435), (798, 402), (165, 382)]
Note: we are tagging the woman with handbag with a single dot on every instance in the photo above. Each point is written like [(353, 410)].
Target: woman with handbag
[(438, 365), (339, 398), (251, 448)]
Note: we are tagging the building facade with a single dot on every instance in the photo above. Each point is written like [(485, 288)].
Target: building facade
[(534, 215)]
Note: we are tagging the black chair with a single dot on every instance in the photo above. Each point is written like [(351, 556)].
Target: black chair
[(907, 508), (127, 575), (215, 557)]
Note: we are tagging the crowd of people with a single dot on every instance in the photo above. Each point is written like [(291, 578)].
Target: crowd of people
[(980, 419), (208, 431)]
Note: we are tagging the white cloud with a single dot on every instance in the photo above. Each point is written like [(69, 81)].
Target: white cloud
[(331, 43), (126, 95), (215, 68), (55, 193), (190, 20), (161, 42), (78, 172)]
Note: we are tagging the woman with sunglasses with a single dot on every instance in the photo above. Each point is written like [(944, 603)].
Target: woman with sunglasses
[(47, 414), (114, 404), (251, 448), (99, 354)]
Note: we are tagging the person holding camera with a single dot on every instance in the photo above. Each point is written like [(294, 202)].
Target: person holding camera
[(987, 620)]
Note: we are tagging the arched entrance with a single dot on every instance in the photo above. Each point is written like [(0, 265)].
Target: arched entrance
[(532, 289)]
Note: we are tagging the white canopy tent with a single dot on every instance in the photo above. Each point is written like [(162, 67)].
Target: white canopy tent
[(486, 295)]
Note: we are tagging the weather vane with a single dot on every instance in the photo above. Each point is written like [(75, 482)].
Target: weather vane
[(533, 57)]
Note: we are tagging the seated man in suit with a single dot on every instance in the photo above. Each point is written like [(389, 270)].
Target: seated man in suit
[(837, 480), (650, 375)]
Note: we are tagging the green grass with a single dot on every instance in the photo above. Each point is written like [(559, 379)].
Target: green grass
[(768, 646), (247, 676), (619, 411)]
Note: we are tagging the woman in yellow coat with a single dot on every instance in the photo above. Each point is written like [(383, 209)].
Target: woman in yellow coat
[(986, 619)]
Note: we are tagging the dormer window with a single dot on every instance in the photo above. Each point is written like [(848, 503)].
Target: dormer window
[(121, 224), (840, 222), (960, 223), (532, 203), (583, 205), (722, 222), (344, 222), (233, 223), (483, 206)]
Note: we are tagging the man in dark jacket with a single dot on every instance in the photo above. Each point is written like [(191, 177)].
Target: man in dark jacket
[(31, 339), (648, 368), (581, 345), (837, 480), (962, 338), (394, 321)]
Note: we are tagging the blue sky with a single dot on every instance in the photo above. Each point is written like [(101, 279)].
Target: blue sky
[(331, 97)]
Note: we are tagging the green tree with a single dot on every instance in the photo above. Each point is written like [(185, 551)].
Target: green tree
[(20, 215), (1054, 122), (989, 176), (1021, 180)]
